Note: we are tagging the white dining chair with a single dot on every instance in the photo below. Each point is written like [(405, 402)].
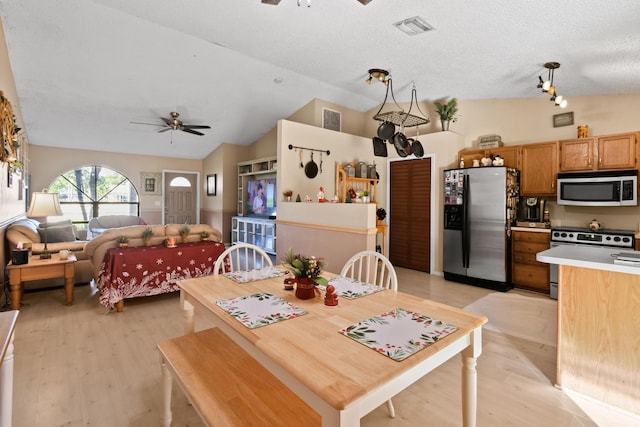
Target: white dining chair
[(242, 257), (375, 269)]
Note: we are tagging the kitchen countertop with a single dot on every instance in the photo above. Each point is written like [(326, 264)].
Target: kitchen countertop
[(586, 257), (532, 229)]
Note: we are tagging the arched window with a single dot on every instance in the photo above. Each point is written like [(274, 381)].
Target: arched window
[(91, 191)]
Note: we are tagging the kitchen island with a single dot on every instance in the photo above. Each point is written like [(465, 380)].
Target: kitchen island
[(598, 324)]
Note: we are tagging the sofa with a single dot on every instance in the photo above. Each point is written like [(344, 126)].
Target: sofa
[(151, 269), (60, 235), (100, 224)]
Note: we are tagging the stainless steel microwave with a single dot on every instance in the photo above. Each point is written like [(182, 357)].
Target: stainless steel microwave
[(608, 188)]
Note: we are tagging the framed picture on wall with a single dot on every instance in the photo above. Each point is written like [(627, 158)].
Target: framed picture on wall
[(151, 183), (211, 184)]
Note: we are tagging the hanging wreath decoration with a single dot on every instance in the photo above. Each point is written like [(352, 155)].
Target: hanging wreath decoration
[(8, 131)]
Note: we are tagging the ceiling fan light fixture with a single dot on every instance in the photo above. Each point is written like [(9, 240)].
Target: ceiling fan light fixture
[(378, 74)]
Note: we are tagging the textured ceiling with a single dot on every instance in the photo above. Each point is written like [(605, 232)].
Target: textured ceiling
[(85, 69)]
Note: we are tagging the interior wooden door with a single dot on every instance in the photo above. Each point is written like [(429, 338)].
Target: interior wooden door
[(181, 198), (410, 214)]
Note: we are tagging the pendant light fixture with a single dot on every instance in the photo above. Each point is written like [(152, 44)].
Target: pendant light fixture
[(548, 87)]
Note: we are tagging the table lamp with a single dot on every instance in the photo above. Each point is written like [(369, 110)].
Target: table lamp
[(44, 204)]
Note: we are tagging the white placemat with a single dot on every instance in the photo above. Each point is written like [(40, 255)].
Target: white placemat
[(351, 288), (251, 275), (398, 333), (260, 309)]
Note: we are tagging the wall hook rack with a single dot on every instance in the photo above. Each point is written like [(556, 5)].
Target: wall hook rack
[(291, 147)]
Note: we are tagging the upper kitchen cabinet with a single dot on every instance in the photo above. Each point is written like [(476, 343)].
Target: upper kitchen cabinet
[(538, 169), (577, 155), (599, 153), (617, 151), (509, 154)]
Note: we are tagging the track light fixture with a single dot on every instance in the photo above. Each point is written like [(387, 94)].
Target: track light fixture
[(381, 75), (548, 87)]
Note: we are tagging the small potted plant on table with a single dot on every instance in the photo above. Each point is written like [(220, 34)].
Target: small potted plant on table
[(204, 236), (147, 234), (184, 232), (122, 241)]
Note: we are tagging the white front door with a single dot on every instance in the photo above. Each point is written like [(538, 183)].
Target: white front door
[(181, 197)]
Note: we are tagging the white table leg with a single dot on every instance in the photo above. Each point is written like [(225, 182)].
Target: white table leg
[(187, 315), (167, 382), (470, 379), (6, 386)]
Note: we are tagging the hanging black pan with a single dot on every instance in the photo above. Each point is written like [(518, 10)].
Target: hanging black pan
[(418, 149), (311, 168), (403, 148), (386, 130)]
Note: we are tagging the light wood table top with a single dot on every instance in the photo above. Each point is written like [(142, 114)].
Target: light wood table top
[(343, 373)]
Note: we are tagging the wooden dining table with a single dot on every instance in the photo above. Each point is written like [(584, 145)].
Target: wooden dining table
[(339, 377)]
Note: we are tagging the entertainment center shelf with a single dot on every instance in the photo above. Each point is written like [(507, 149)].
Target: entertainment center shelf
[(257, 231), (266, 167)]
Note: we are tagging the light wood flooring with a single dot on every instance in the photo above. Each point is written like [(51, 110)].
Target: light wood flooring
[(79, 366)]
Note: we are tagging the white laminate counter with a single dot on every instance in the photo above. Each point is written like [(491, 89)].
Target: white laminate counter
[(586, 257)]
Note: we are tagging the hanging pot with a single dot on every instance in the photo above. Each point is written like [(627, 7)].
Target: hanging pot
[(311, 168), (418, 150), (386, 130), (401, 143)]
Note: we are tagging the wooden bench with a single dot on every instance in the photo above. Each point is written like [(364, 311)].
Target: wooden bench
[(227, 386)]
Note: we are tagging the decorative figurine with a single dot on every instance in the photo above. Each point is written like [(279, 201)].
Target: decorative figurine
[(331, 297), (321, 198)]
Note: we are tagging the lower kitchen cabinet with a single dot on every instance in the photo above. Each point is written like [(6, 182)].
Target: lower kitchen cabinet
[(526, 272)]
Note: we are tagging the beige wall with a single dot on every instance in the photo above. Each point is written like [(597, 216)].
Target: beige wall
[(47, 163)]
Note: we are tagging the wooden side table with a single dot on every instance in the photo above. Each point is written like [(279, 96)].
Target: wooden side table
[(41, 269)]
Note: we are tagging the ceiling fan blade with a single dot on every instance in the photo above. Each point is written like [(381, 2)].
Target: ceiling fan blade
[(164, 130), (169, 122), (273, 2), (195, 132), (196, 126), (150, 124), (365, 2)]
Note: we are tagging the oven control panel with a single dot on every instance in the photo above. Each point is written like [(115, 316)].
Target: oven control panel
[(622, 239)]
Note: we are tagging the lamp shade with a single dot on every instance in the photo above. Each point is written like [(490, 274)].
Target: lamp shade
[(44, 204)]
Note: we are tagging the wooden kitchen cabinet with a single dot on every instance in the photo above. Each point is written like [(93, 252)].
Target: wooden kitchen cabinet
[(509, 154), (538, 169), (526, 272), (599, 153), (617, 151), (577, 155)]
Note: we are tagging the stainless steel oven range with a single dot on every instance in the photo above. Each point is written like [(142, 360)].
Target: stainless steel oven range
[(583, 236)]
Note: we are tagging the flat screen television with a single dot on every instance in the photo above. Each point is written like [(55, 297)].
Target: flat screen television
[(261, 197)]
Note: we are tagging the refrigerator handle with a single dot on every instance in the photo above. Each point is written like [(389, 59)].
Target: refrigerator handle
[(465, 222)]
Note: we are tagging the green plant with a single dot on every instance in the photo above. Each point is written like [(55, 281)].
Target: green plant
[(122, 239), (147, 233), (205, 234), (302, 266), (185, 230), (448, 110)]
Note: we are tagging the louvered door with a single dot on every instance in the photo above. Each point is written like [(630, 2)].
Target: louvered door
[(410, 214)]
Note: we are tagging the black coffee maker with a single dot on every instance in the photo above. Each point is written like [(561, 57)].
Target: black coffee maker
[(532, 210)]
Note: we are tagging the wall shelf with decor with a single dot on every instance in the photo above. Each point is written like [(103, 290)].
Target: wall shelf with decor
[(344, 182)]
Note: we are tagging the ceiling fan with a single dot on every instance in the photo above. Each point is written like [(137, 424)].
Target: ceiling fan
[(175, 124), (276, 2)]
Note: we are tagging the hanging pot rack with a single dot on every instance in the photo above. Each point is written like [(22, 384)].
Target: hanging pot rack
[(291, 147), (400, 118)]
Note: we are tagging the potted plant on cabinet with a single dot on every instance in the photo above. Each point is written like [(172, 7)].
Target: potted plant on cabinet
[(122, 241), (447, 111)]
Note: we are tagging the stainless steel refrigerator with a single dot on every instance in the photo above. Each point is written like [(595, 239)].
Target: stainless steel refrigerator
[(480, 205)]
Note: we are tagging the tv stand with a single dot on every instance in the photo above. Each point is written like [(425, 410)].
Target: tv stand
[(257, 231)]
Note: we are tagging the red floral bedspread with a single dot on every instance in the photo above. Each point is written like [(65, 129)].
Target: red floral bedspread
[(152, 270)]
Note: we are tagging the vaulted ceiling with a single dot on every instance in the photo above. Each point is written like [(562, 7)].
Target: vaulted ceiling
[(85, 69)]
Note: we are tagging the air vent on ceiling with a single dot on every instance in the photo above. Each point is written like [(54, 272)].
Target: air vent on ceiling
[(413, 26)]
